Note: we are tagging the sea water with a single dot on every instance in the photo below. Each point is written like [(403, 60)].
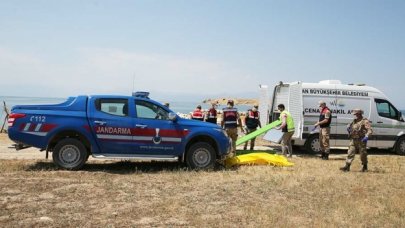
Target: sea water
[(184, 107)]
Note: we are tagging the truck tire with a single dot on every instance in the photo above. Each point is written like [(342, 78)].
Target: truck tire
[(70, 154), (312, 144), (400, 146), (201, 155)]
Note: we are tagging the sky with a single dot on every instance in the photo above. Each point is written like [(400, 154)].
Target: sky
[(197, 49)]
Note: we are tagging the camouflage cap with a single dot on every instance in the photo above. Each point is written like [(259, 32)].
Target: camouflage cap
[(357, 111)]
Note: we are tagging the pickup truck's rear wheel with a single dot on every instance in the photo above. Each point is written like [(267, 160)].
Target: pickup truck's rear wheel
[(201, 156), (69, 154), (400, 146)]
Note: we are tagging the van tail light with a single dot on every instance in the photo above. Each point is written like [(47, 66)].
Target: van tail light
[(12, 118)]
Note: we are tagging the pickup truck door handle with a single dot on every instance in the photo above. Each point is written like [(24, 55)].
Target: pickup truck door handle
[(380, 122), (141, 125), (100, 122)]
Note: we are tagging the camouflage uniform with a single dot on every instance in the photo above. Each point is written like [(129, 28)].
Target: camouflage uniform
[(358, 130), (325, 119), (324, 135), (230, 122), (233, 134)]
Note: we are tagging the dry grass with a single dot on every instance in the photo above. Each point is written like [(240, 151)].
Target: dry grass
[(113, 194)]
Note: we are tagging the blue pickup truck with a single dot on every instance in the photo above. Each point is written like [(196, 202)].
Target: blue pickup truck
[(123, 127)]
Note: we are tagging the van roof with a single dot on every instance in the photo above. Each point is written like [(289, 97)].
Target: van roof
[(336, 84)]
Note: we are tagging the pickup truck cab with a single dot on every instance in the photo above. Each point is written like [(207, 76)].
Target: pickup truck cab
[(123, 127)]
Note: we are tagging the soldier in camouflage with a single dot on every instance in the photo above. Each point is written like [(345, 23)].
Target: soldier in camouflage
[(359, 131)]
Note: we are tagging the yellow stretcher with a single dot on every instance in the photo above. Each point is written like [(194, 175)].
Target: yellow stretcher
[(260, 158)]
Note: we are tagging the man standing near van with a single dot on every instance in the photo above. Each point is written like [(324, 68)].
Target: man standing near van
[(287, 127), (211, 115), (359, 131), (252, 121), (325, 118), (197, 114), (230, 122)]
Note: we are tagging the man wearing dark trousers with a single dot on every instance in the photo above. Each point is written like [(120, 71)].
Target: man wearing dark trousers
[(325, 118), (252, 121)]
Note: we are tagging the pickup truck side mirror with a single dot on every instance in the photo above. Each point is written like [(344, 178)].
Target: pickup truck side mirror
[(172, 116), (400, 117)]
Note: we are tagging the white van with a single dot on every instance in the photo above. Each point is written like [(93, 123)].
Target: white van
[(302, 101)]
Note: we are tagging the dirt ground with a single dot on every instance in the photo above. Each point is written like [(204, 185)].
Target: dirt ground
[(11, 153), (105, 193)]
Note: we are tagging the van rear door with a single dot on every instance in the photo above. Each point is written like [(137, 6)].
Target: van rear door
[(291, 96), (295, 107)]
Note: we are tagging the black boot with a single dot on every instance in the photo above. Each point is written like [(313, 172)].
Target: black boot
[(364, 169), (345, 168), (323, 155), (326, 157)]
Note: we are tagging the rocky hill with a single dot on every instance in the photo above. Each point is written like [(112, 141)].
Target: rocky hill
[(237, 101)]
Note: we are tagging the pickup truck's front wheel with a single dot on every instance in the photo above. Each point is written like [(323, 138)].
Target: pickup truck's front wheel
[(69, 154), (201, 156)]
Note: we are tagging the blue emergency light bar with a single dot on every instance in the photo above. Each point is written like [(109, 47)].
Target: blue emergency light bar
[(141, 94)]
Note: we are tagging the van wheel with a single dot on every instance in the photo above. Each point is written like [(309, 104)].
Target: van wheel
[(201, 156), (70, 154), (400, 146), (312, 144)]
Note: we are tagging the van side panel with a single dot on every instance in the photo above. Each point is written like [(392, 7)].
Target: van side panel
[(341, 102), (344, 117), (386, 121), (311, 114)]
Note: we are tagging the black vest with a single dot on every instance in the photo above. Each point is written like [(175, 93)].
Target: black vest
[(212, 116), (252, 119), (230, 117), (322, 117)]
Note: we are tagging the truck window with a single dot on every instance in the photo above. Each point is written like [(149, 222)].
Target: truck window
[(149, 110), (385, 109), (112, 106)]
